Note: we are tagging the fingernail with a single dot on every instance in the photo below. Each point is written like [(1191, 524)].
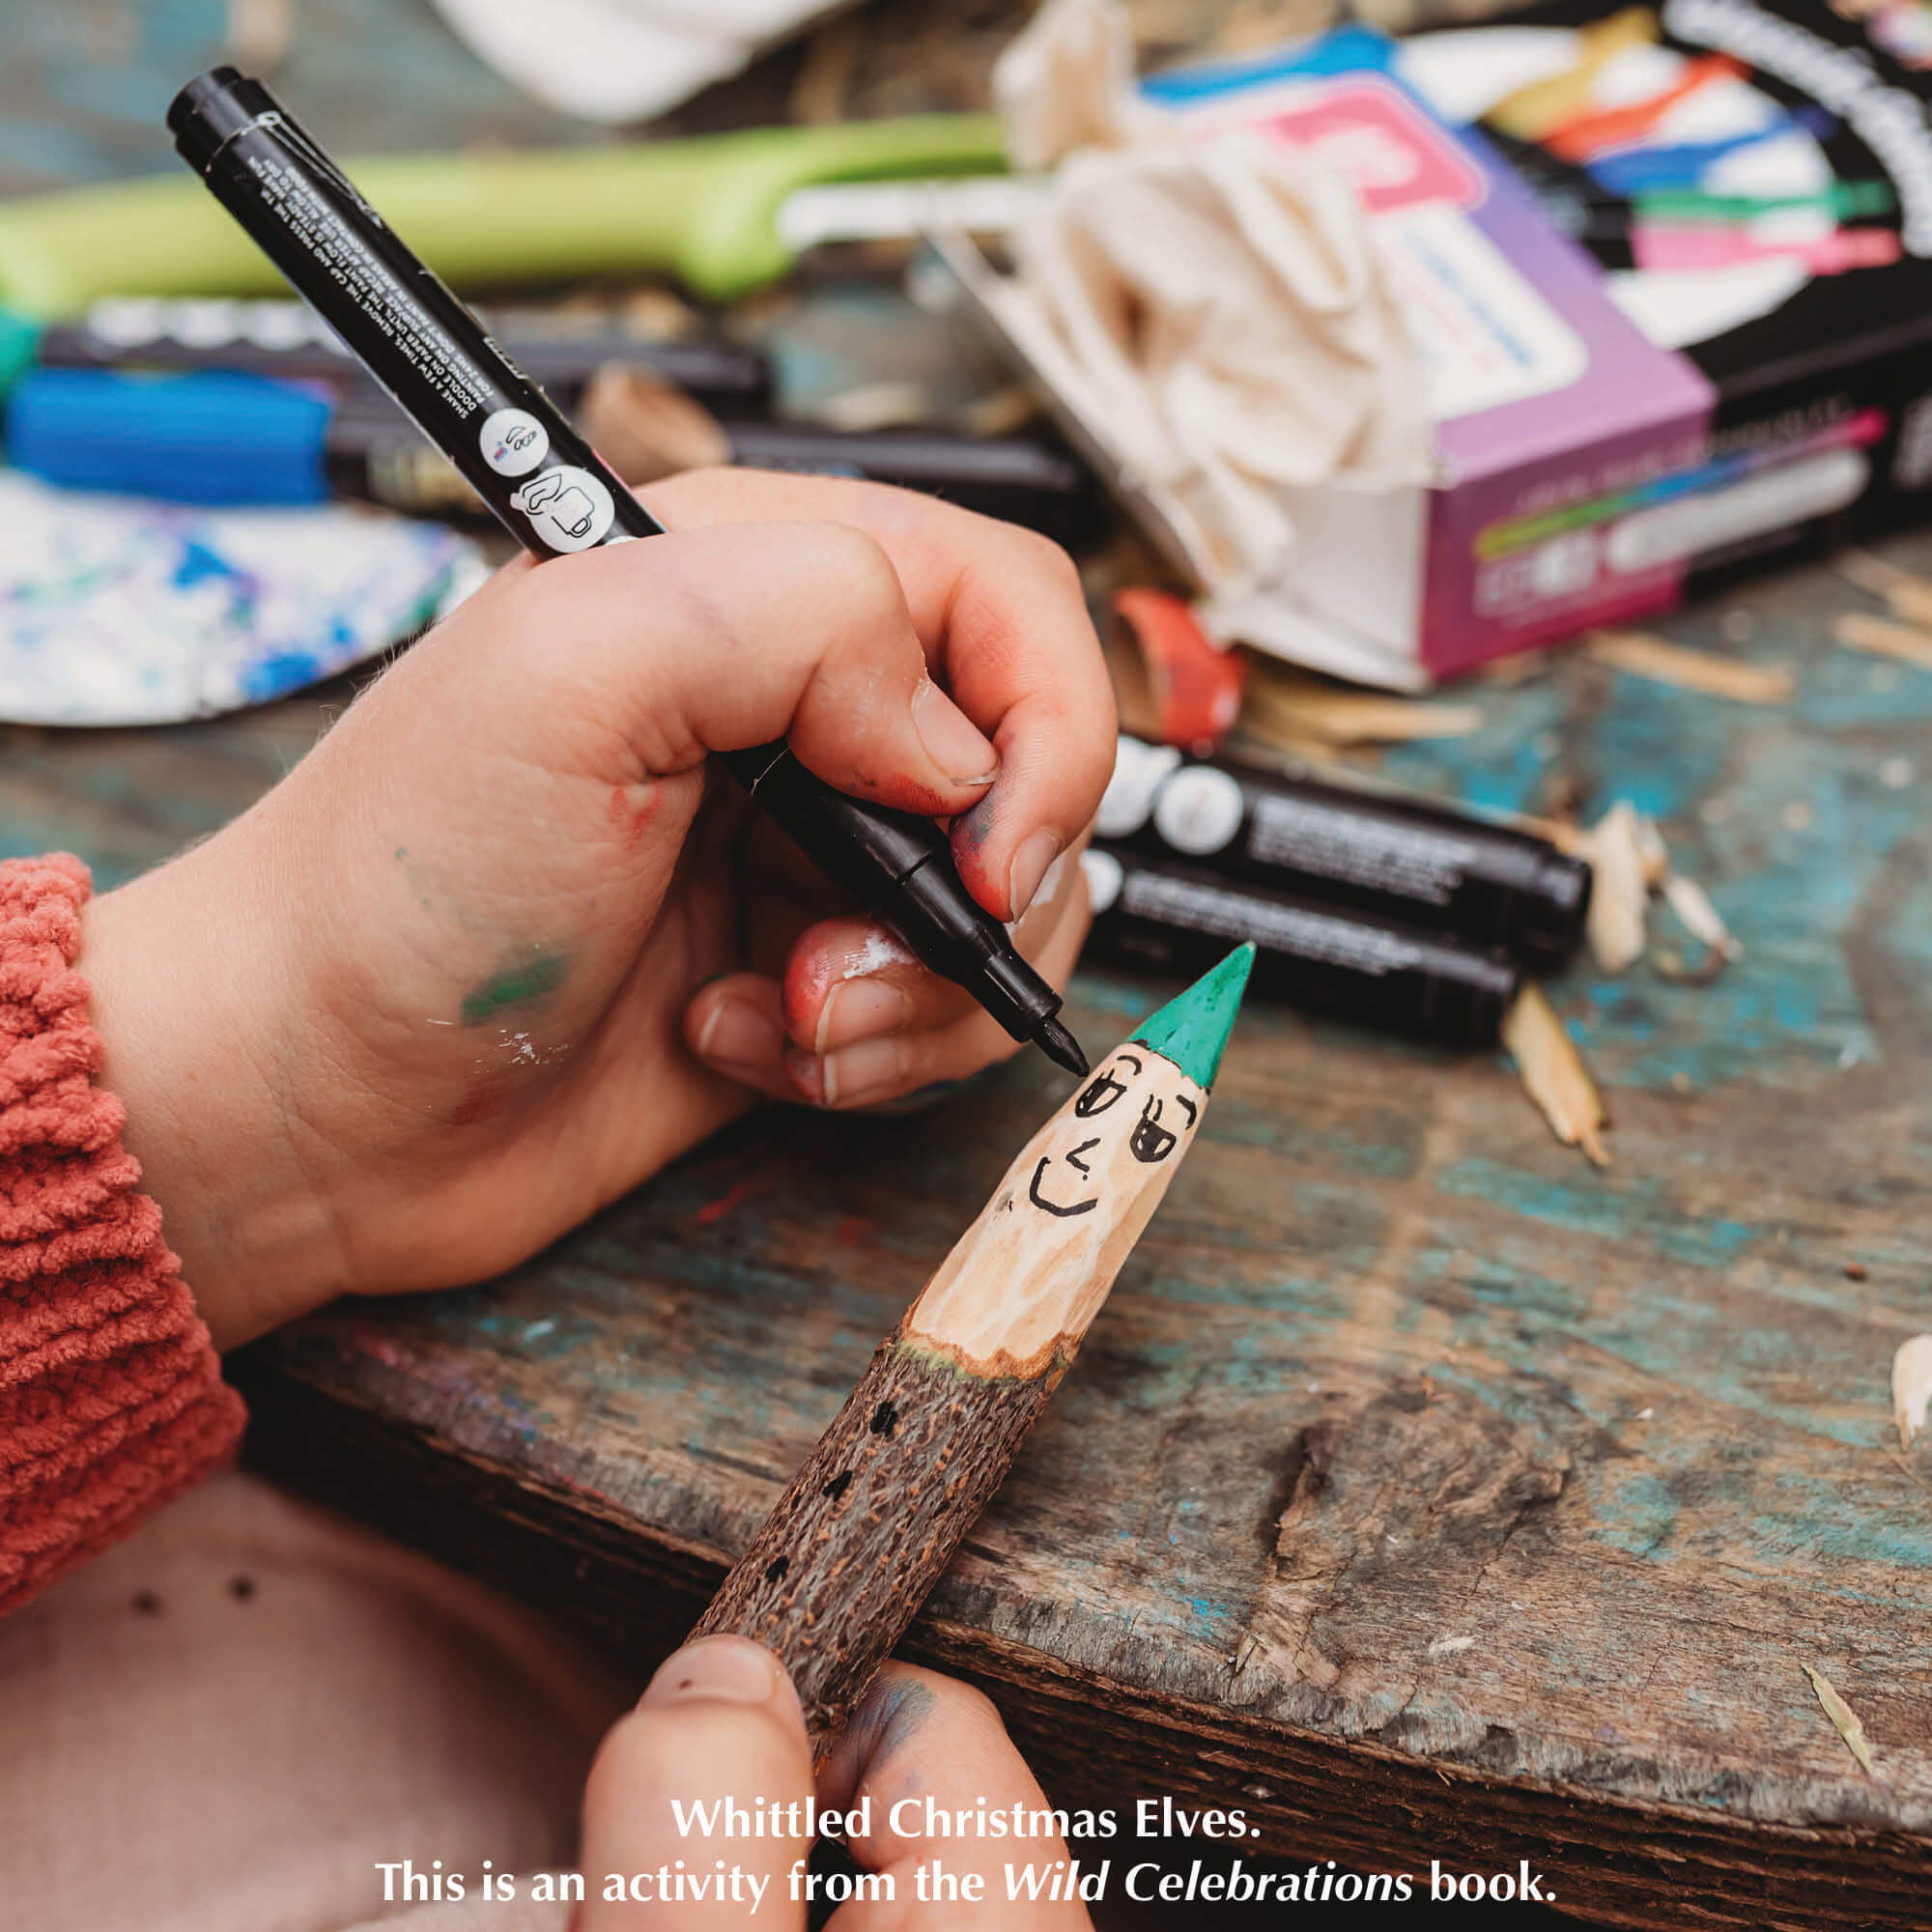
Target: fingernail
[(866, 1071), (951, 740), (857, 1008), (716, 1669), (807, 1075), (1029, 868), (738, 1034)]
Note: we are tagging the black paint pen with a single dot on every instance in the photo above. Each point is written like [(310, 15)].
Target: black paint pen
[(1407, 860), (557, 496), (1401, 979), (285, 339)]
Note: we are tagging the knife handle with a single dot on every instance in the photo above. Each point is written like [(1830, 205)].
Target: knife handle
[(704, 210)]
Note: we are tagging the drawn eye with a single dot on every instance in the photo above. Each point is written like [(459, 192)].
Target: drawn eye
[(1150, 1141), (1099, 1095), (1104, 1089)]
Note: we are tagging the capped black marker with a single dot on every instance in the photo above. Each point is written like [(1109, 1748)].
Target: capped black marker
[(1152, 913), (555, 495), (1407, 860)]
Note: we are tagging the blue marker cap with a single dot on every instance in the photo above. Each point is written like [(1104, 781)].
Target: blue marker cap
[(212, 436)]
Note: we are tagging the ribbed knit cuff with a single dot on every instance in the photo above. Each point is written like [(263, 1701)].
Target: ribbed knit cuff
[(111, 1397)]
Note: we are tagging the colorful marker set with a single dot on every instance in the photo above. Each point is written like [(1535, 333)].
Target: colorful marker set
[(1768, 228), (1654, 201), (1859, 431)]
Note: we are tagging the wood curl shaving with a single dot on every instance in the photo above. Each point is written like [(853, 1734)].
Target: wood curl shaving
[(1554, 1074), (1843, 1716), (1630, 862), (1285, 705), (1664, 662), (1911, 1386), (1621, 892), (1909, 595), (1880, 636)]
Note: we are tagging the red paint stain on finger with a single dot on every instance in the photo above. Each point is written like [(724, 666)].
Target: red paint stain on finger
[(481, 1101), (631, 820)]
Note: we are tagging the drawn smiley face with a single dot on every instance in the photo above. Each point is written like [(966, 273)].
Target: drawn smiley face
[(1151, 1141), (1023, 1283)]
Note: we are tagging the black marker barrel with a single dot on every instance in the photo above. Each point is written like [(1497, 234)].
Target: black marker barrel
[(555, 495), (279, 337), (1401, 979), (1395, 859), (514, 448)]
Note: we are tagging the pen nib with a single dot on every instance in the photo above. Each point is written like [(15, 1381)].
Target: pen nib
[(1060, 1047)]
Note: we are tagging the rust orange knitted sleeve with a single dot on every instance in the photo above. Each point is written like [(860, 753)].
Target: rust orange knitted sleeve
[(111, 1397)]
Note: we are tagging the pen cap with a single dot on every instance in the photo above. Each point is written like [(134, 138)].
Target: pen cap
[(1551, 911), (212, 107), (212, 438), (1330, 959)]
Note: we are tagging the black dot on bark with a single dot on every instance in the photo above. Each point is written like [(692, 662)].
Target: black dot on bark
[(775, 1567), (885, 1419), (838, 1484), (146, 1604), (242, 1588)]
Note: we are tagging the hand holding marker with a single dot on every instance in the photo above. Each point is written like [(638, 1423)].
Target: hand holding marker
[(557, 496)]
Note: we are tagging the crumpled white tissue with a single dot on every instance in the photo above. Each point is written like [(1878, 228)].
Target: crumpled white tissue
[(1214, 309)]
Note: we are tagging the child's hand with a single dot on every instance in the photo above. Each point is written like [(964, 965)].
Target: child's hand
[(494, 951), (720, 1721)]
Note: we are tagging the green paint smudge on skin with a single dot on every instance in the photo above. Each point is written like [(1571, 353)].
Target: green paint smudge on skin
[(522, 980), (1192, 1029)]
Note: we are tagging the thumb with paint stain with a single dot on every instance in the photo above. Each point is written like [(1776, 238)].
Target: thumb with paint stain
[(503, 943)]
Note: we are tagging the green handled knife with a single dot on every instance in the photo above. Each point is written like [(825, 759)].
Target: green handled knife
[(710, 211)]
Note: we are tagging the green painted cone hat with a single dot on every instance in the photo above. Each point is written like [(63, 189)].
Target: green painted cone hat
[(1192, 1029)]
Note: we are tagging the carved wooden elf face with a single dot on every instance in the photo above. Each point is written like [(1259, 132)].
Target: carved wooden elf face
[(1017, 1292)]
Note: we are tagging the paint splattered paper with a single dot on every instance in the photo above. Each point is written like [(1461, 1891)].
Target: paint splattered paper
[(119, 610)]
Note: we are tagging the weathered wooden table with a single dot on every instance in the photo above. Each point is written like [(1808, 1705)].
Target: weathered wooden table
[(1421, 1489)]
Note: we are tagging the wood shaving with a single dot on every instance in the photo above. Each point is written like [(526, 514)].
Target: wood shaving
[(1621, 892), (1664, 662), (1653, 852), (1911, 1386), (1881, 637), (1001, 413), (1554, 1074), (659, 316), (1699, 917), (1909, 595), (1844, 1716), (1284, 704)]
